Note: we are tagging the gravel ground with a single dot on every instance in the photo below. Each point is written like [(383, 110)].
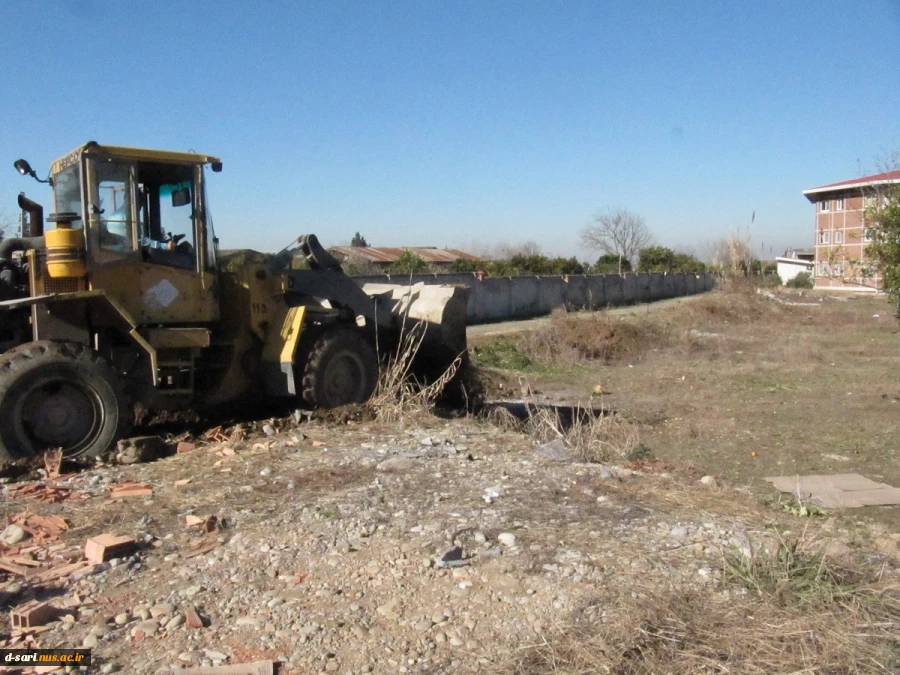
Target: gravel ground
[(443, 547)]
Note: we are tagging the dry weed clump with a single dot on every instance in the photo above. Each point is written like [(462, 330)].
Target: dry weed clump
[(398, 395), (590, 438), (833, 621), (567, 340)]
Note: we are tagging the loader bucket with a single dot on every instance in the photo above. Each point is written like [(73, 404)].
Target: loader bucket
[(442, 308)]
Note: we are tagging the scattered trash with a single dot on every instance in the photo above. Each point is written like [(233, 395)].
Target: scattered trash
[(181, 482), (184, 446)]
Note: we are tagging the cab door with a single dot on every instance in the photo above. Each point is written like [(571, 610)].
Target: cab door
[(160, 274)]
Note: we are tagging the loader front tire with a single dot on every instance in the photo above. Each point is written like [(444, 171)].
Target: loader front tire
[(342, 368), (59, 395)]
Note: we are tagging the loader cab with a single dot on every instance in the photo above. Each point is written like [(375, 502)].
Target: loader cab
[(148, 236)]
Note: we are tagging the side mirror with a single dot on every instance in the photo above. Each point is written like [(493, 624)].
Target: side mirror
[(216, 167), (23, 167), (181, 197)]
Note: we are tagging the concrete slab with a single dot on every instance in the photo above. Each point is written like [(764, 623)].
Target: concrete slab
[(837, 491)]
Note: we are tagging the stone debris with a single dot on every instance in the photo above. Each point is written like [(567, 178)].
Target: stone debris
[(369, 551)]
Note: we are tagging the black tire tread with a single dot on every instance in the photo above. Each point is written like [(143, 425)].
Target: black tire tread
[(14, 360), (313, 365)]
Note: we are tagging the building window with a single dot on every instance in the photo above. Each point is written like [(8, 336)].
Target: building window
[(823, 205), (838, 204), (838, 237), (823, 269), (838, 270), (824, 237), (867, 235)]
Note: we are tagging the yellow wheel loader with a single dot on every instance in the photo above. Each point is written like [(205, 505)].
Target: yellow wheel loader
[(123, 302)]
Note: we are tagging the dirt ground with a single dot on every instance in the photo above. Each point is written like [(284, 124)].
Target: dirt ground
[(640, 542), (740, 385)]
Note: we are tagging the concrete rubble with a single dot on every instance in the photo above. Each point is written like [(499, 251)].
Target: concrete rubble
[(362, 549)]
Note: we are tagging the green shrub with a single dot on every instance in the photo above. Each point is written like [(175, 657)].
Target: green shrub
[(802, 280)]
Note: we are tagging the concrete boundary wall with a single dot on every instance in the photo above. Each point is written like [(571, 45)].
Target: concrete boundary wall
[(505, 298)]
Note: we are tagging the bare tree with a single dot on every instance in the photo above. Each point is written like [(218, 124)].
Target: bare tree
[(619, 233), (7, 225)]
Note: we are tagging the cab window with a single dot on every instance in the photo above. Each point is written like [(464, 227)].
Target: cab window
[(67, 194), (165, 214), (114, 206)]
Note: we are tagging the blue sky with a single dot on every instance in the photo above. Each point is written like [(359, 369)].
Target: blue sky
[(462, 123)]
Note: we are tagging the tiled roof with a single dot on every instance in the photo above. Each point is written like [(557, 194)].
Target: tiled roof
[(385, 255), (876, 179)]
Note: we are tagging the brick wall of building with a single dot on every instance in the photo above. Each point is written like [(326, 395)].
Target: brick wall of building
[(840, 243)]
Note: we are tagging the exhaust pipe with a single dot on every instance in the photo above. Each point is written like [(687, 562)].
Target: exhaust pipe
[(35, 216)]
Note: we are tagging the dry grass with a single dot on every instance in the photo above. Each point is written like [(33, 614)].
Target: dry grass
[(790, 610), (398, 396), (606, 438), (573, 339), (588, 436)]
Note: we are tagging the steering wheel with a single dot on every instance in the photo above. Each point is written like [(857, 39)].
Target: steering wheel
[(175, 238)]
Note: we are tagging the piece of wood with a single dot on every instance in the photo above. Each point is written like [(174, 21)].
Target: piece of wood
[(192, 619), (31, 614), (184, 446), (193, 521), (182, 481), (55, 573), (200, 550), (15, 569), (104, 547), (25, 562), (254, 668)]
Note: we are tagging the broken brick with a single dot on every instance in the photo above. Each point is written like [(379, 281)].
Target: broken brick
[(192, 619), (184, 446), (130, 489), (32, 614), (106, 546)]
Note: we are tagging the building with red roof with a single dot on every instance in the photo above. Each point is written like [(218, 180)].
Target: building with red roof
[(841, 234)]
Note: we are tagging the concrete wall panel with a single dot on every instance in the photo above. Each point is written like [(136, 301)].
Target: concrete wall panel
[(504, 298)]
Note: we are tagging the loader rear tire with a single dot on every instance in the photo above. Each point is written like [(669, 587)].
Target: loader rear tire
[(342, 368), (59, 395)]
